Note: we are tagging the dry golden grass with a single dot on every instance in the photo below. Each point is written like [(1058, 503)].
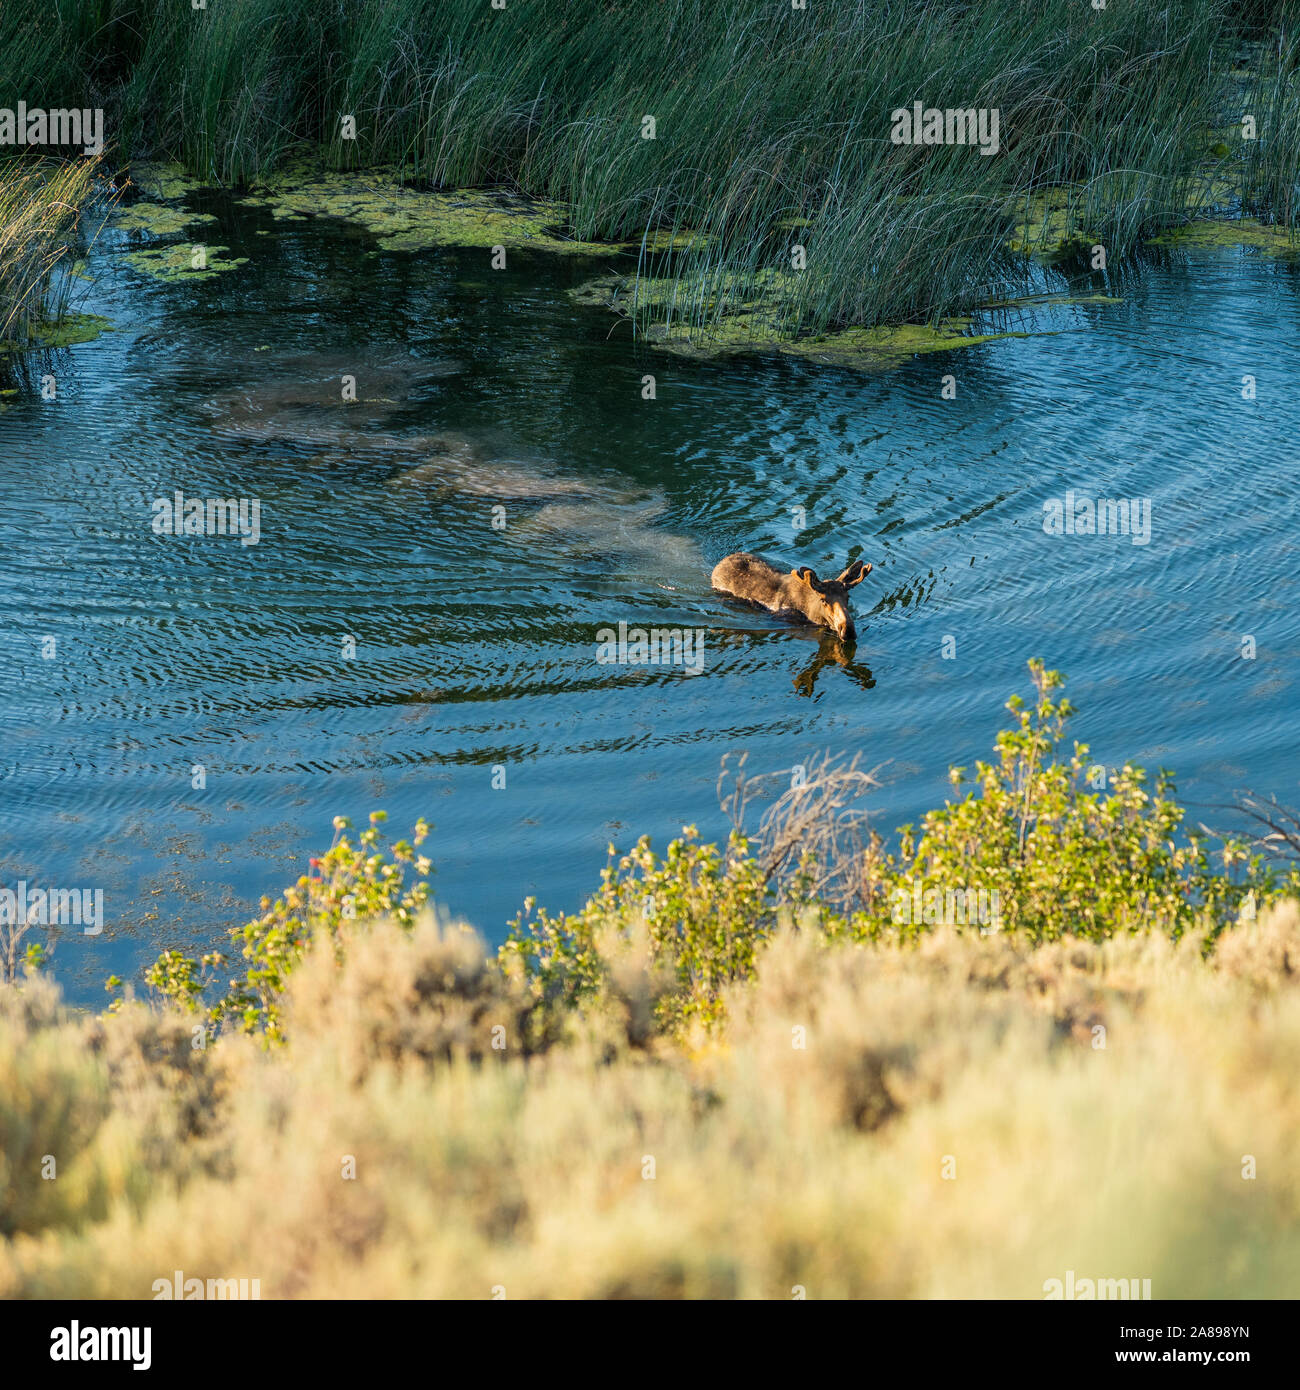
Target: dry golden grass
[(775, 1166), (40, 205)]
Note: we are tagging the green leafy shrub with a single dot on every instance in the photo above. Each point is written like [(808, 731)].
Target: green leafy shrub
[(1055, 854), (350, 882), (1058, 849), (703, 910), (1067, 857)]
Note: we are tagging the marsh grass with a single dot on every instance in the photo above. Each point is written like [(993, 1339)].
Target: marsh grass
[(41, 209), (1272, 173), (772, 125)]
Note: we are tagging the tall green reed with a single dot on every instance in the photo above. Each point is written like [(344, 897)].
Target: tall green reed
[(771, 125)]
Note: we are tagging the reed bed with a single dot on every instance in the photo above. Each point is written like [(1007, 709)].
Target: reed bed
[(40, 214), (1272, 176), (772, 126)]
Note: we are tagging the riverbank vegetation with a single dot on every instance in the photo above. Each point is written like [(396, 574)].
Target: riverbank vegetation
[(747, 148), (958, 1117), (750, 1070), (1043, 840), (40, 214), (1271, 180)]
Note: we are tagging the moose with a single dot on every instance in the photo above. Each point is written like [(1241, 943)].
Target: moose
[(824, 602)]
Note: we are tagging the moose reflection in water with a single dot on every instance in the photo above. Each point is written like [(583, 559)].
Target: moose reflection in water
[(832, 652)]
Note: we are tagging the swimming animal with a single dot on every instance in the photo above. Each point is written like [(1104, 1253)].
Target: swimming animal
[(822, 601)]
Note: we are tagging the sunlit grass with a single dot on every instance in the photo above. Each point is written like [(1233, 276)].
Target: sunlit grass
[(962, 1117), (40, 210)]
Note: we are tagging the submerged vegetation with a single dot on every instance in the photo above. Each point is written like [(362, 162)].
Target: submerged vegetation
[(744, 151), (733, 1074)]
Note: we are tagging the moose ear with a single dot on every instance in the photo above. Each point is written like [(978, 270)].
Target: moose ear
[(855, 573), (806, 575)]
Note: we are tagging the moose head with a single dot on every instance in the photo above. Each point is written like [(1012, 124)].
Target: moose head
[(826, 601)]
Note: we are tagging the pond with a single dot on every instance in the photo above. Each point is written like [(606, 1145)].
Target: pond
[(417, 625)]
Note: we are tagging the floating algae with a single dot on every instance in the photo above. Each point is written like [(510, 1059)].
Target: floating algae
[(161, 182), (1052, 223), (1051, 301), (404, 218), (1242, 231), (757, 323), (64, 332), (884, 346), (657, 240), (1048, 229), (157, 219), (73, 328), (157, 214), (173, 263)]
